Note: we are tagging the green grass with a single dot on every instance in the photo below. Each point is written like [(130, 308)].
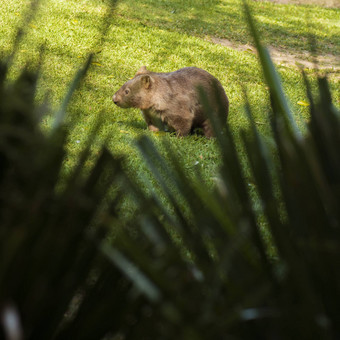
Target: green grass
[(165, 36)]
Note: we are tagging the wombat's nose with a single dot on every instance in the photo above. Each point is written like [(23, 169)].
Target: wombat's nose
[(114, 99)]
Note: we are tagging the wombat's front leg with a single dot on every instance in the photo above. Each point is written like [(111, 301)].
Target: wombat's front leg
[(148, 119)]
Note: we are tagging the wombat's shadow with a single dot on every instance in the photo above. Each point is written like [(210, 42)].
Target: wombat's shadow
[(136, 124), (141, 125)]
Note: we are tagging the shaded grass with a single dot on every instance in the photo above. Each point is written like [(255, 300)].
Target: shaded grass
[(71, 30)]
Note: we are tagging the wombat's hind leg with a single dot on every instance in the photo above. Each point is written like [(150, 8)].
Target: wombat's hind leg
[(182, 132), (207, 129), (181, 126)]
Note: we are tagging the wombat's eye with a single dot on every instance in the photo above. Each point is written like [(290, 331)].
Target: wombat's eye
[(127, 91)]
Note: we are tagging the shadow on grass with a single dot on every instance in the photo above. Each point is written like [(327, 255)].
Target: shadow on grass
[(288, 27)]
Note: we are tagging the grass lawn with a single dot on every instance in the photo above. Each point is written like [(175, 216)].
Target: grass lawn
[(165, 36)]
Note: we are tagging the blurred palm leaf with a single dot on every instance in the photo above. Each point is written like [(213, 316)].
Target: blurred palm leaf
[(50, 267)]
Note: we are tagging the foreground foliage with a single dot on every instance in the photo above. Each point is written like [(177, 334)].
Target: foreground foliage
[(203, 273)]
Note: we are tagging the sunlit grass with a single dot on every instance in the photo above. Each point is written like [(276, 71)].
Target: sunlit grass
[(165, 36)]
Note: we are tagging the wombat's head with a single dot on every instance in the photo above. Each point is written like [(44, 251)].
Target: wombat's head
[(135, 92)]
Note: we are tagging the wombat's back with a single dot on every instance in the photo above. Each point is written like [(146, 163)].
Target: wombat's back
[(189, 79)]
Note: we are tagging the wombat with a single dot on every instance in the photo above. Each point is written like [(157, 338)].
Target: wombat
[(171, 101)]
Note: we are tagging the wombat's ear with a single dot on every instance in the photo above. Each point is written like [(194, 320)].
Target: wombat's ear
[(142, 70), (146, 81)]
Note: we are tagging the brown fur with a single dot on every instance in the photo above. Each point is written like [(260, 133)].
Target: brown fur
[(172, 100)]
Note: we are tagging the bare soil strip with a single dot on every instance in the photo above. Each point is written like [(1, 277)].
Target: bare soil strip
[(328, 61)]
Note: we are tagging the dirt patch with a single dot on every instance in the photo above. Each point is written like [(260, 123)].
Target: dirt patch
[(328, 61)]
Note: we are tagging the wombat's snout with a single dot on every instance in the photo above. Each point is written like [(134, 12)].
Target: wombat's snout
[(115, 99)]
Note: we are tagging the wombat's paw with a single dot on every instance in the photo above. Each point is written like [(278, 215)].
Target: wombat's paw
[(153, 128)]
